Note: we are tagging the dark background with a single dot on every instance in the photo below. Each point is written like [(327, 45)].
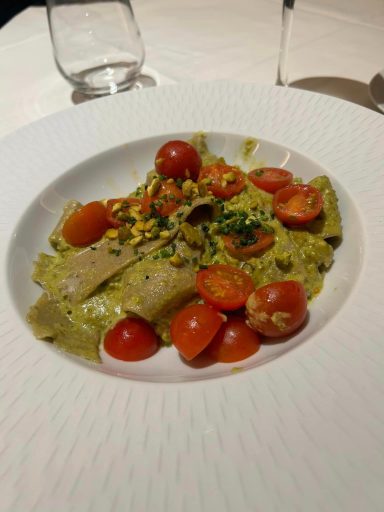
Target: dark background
[(9, 8)]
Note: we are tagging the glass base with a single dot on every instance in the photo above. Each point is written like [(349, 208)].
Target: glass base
[(106, 79), (141, 82)]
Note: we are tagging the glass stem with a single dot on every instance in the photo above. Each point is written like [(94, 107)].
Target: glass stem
[(286, 30)]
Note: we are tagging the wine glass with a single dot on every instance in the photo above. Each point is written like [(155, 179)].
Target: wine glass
[(286, 30), (96, 44)]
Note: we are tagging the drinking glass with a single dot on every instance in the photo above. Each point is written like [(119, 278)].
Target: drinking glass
[(286, 30), (96, 44)]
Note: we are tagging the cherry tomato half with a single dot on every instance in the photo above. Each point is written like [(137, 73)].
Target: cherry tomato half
[(297, 204), (178, 159), (131, 339), (126, 202), (193, 327), (234, 341), (224, 286), (270, 179), (221, 186), (86, 225), (165, 201), (277, 309), (240, 246)]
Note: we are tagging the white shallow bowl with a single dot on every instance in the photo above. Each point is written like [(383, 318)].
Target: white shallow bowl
[(117, 172), (294, 432)]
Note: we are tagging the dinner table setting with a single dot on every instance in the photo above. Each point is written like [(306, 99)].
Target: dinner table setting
[(97, 98)]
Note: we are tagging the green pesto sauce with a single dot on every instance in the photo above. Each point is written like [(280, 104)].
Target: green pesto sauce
[(296, 253), (300, 254), (94, 315)]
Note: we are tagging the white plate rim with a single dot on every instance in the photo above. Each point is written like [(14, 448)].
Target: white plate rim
[(338, 366)]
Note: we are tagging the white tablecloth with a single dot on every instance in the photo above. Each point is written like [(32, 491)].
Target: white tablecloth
[(201, 40)]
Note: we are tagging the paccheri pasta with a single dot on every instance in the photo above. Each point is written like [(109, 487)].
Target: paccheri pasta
[(193, 245)]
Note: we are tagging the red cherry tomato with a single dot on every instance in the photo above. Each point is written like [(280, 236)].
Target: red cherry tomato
[(277, 309), (297, 204), (224, 286), (126, 202), (270, 179), (178, 159), (86, 225), (193, 327), (219, 186), (165, 201), (234, 341), (240, 246), (131, 339)]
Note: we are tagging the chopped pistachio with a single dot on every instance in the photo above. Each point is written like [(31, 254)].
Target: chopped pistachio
[(139, 225), (116, 207), (195, 190), (135, 241), (187, 188), (230, 177), (149, 224), (202, 188), (135, 214), (135, 232), (164, 234), (176, 260), (191, 235), (124, 232), (159, 161), (153, 187), (111, 233)]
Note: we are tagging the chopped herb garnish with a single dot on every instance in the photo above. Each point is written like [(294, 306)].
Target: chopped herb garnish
[(162, 177), (146, 277), (203, 267), (212, 247), (241, 223), (116, 252), (93, 248), (164, 222), (205, 228), (179, 182), (166, 252), (259, 172), (188, 203)]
